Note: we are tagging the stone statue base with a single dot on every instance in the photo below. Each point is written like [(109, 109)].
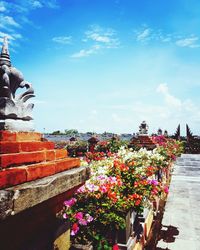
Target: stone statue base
[(16, 125), (16, 109)]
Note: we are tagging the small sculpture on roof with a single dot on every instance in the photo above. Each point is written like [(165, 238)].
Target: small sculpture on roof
[(143, 128), (160, 132)]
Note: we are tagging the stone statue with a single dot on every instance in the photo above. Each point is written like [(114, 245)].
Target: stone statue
[(13, 106), (143, 128)]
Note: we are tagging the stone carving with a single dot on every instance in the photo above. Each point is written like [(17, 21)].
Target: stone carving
[(177, 134), (159, 131), (165, 133), (143, 128), (13, 106)]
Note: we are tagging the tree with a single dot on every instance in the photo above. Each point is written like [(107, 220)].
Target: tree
[(57, 132), (71, 132)]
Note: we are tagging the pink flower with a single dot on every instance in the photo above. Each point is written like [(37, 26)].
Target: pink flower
[(166, 189), (103, 189), (82, 222), (92, 187), (101, 177), (70, 202), (173, 157), (79, 216), (112, 179), (154, 191), (65, 216), (81, 189), (89, 218), (154, 182), (75, 229)]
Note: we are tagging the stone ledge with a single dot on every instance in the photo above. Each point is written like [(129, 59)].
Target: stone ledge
[(18, 198)]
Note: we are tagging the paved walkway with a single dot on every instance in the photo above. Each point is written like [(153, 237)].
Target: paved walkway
[(181, 220)]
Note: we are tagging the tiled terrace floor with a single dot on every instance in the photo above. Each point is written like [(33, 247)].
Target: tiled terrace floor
[(181, 220)]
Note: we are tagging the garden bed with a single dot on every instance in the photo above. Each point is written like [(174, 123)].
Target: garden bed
[(116, 207)]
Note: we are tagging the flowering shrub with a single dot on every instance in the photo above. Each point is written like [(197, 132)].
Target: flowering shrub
[(168, 148), (77, 149), (119, 182), (112, 145)]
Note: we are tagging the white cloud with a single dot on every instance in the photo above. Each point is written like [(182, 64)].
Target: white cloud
[(167, 112), (2, 6), (144, 35), (100, 35), (166, 39), (62, 39), (26, 6), (11, 36), (182, 111), (85, 53), (53, 4), (8, 22), (36, 4), (169, 99), (101, 39), (190, 42)]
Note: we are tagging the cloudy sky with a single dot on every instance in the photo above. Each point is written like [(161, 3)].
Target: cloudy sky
[(107, 65)]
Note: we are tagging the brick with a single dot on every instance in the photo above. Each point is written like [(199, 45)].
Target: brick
[(37, 171), (20, 136), (9, 147), (16, 147), (7, 136), (50, 155), (61, 153), (28, 136), (66, 163), (11, 177), (8, 160), (35, 146)]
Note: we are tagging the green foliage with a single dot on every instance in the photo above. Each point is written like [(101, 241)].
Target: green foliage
[(116, 144), (57, 132), (78, 148), (71, 132)]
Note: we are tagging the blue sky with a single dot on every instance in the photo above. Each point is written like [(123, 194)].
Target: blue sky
[(107, 65)]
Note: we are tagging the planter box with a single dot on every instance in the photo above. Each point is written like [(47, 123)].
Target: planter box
[(148, 223), (143, 224), (124, 235), (156, 205), (81, 247), (129, 245)]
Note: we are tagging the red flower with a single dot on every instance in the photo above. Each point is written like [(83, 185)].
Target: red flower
[(112, 196), (75, 229), (137, 202), (115, 247)]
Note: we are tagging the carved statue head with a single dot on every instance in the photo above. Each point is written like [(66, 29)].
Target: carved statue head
[(13, 106)]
